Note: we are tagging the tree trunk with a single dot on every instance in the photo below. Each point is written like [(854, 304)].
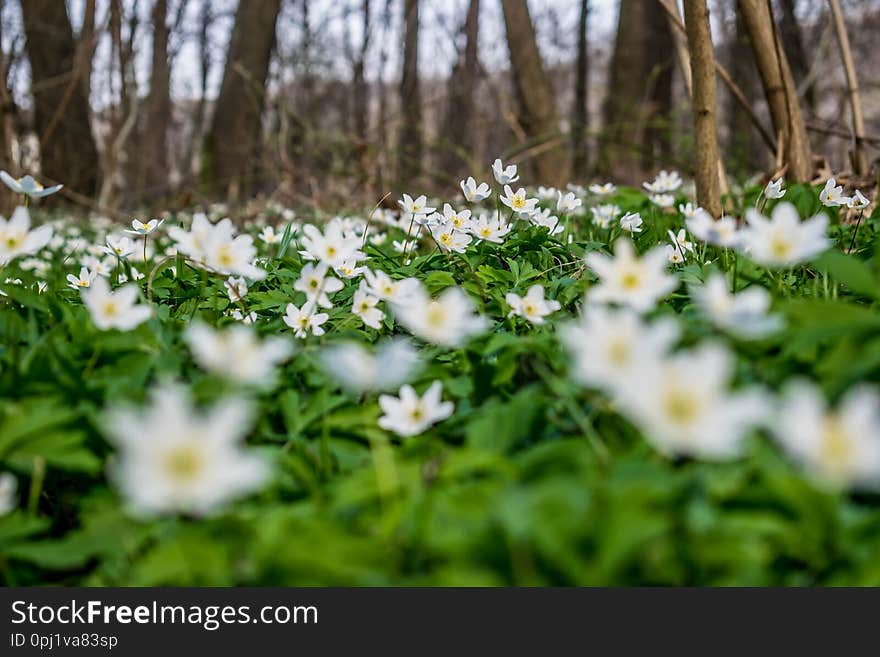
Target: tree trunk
[(458, 138), (857, 155), (232, 149), (699, 36), (580, 108), (535, 95), (636, 112), (61, 108), (359, 81), (743, 150), (158, 110), (793, 45), (776, 77), (409, 145)]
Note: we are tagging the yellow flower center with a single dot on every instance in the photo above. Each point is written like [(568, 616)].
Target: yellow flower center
[(779, 247), (681, 408), (435, 315), (630, 280), (836, 446), (618, 352), (183, 463), (519, 202), (111, 309)]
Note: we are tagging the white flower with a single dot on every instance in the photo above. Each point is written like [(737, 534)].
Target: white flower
[(832, 195), (673, 254), (567, 203), (84, 279), (381, 285), (683, 404), (688, 209), (859, 201), (119, 247), (518, 202), (604, 189), (450, 239), (743, 314), (114, 310), (629, 280), (503, 175), (532, 307), (603, 215), (304, 320), (357, 370), (415, 207), (546, 193), (17, 238), (631, 222), (448, 320), (722, 232), (460, 220), (841, 447), (665, 182), (28, 186), (236, 288), (364, 306), (681, 241), (349, 270), (774, 189), (174, 459), (8, 493), (784, 240), (490, 230), (237, 315), (475, 193), (139, 228), (218, 248), (409, 415), (610, 345), (332, 247), (546, 220), (269, 236), (663, 200), (316, 285), (236, 354)]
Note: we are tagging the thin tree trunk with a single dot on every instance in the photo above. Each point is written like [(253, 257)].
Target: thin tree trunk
[(158, 109), (776, 77), (580, 109), (636, 112), (699, 35), (458, 137), (409, 146), (857, 155), (232, 148), (70, 155), (534, 94), (359, 81), (793, 44)]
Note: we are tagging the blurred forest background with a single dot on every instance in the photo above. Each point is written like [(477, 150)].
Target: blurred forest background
[(155, 104)]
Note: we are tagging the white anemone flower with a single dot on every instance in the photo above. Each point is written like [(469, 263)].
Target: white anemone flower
[(410, 415), (840, 448), (173, 458), (784, 240), (394, 362), (17, 238), (236, 353), (114, 309), (629, 280), (533, 307), (28, 186)]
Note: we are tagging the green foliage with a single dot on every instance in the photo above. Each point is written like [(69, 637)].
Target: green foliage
[(533, 480)]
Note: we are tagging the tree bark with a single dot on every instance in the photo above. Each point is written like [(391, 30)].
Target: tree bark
[(232, 162), (535, 95), (636, 112), (158, 109), (776, 77), (699, 36), (793, 44), (409, 145), (458, 138), (580, 109), (857, 155), (69, 155)]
